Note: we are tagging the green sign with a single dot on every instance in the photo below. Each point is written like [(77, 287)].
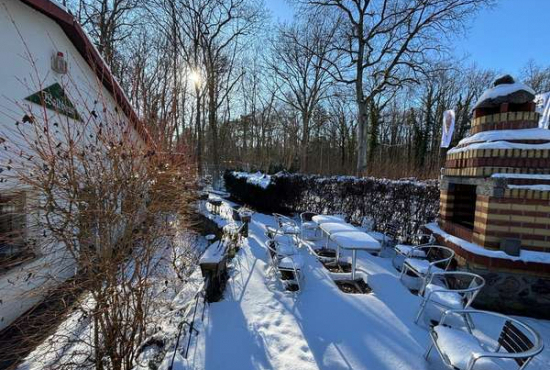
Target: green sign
[(53, 97)]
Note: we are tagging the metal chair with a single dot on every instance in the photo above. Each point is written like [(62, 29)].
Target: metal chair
[(437, 258), (307, 226), (450, 290), (402, 251), (462, 348), (288, 227), (285, 263), (391, 232)]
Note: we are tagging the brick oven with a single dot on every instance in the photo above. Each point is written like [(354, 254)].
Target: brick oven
[(495, 198)]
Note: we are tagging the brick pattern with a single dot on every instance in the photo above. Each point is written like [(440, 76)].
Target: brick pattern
[(465, 257), (488, 171), (503, 120), (516, 213), (513, 125), (446, 205), (541, 163), (513, 217)]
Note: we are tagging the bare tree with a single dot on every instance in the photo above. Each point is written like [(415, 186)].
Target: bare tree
[(386, 43), (301, 62), (536, 76)]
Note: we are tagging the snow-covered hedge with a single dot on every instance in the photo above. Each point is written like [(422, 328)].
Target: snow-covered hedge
[(408, 203)]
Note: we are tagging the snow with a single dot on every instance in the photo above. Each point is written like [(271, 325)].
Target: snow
[(507, 135), (500, 145), (525, 256), (500, 139), (503, 90), (259, 326), (355, 240), (536, 187), (213, 254), (458, 345), (524, 176), (258, 178)]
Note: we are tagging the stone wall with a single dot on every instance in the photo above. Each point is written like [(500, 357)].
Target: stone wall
[(514, 293)]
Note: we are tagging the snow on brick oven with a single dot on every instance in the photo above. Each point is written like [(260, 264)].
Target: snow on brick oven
[(495, 199)]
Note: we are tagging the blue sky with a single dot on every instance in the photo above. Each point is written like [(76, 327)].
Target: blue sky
[(503, 38)]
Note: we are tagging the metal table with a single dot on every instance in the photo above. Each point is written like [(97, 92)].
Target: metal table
[(321, 219), (330, 228), (354, 241)]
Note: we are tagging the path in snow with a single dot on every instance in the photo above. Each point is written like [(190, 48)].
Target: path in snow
[(258, 326)]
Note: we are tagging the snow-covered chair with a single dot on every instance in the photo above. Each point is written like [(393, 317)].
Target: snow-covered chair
[(465, 347), (390, 233), (403, 251), (285, 263), (434, 258), (450, 290), (308, 228), (288, 227)]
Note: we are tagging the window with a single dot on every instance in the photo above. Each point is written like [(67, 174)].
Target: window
[(13, 249)]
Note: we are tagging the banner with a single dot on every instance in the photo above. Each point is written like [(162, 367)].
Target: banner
[(543, 107), (448, 128)]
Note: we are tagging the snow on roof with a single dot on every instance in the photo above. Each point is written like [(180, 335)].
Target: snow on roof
[(503, 90), (499, 139), (525, 256), (525, 176), (500, 145), (498, 135), (536, 187)]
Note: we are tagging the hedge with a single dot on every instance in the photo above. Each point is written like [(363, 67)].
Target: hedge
[(407, 203)]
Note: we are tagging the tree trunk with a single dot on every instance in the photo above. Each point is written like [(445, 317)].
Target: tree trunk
[(212, 108), (304, 142)]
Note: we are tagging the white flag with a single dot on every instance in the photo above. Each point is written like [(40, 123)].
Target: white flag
[(543, 107), (448, 128)]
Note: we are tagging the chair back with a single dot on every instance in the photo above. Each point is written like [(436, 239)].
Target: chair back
[(423, 239), (513, 340), (307, 216), (467, 284), (271, 246), (270, 233), (391, 230), (439, 256), (368, 223), (235, 215), (283, 220)]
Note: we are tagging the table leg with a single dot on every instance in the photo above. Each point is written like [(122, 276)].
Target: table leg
[(353, 261)]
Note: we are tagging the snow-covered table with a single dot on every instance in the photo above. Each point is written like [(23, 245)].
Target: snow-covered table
[(354, 241), (321, 219), (330, 228)]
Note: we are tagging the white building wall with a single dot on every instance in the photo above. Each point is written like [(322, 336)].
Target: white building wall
[(28, 39)]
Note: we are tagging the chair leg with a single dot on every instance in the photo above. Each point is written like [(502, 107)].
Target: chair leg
[(404, 269), (420, 311), (427, 354)]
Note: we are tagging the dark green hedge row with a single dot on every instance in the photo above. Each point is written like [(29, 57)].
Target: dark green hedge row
[(407, 203)]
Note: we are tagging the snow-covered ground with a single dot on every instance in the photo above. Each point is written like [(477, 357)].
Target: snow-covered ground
[(259, 326)]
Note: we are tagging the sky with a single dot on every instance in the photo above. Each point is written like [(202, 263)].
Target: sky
[(504, 38)]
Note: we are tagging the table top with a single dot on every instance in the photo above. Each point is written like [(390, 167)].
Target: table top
[(335, 227), (321, 219), (355, 240)]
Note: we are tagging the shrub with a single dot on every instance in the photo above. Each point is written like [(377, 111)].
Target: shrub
[(408, 203)]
